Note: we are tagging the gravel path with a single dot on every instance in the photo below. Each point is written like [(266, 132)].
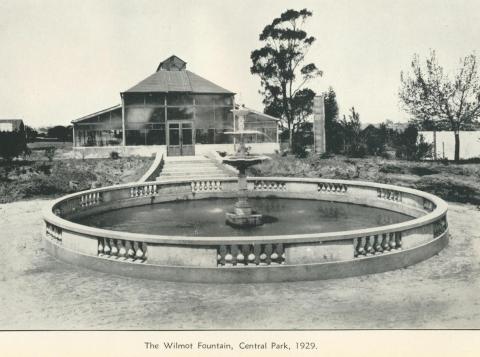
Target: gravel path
[(38, 292)]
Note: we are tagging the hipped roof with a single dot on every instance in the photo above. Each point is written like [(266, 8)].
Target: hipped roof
[(177, 81)]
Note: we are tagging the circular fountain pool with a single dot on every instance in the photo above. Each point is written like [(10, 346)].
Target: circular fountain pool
[(207, 218), (314, 229)]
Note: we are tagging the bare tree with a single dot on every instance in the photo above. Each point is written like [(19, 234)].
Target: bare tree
[(448, 103)]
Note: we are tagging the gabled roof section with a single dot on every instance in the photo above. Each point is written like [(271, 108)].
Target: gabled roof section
[(165, 81), (89, 116)]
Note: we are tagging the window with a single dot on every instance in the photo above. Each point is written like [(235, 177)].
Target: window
[(157, 99), (134, 99), (179, 99), (204, 117), (180, 113)]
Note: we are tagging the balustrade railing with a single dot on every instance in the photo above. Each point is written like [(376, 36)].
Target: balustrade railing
[(428, 205), (440, 226), (390, 195), (250, 254), (143, 191), (122, 249), (258, 252), (206, 186), (377, 244), (54, 232), (266, 185), (332, 187), (90, 199)]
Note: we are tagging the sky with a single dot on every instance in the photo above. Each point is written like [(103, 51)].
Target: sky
[(62, 59)]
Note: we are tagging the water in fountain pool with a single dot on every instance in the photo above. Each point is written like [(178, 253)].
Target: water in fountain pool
[(207, 218)]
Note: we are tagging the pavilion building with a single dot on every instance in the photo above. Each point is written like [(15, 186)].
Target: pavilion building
[(174, 110)]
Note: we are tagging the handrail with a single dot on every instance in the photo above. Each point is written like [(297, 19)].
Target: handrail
[(153, 168)]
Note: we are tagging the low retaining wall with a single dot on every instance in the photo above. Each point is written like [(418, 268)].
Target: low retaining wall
[(149, 150), (248, 259)]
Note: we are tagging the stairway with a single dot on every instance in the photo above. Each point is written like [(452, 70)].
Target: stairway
[(192, 168)]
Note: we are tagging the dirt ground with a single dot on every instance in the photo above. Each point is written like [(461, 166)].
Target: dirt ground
[(39, 292)]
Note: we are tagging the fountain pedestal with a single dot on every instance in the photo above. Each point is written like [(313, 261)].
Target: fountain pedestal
[(243, 215)]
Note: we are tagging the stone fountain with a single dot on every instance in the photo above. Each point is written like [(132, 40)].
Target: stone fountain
[(243, 216)]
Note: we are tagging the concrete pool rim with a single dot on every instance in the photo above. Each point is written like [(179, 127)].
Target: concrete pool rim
[(248, 259)]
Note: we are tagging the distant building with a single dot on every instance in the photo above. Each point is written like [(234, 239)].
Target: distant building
[(173, 110), (11, 125)]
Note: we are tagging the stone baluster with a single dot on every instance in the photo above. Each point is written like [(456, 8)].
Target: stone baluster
[(268, 249), (234, 251), (398, 240), (222, 252), (122, 251), (113, 247), (257, 251), (100, 247), (106, 247), (228, 257), (245, 250), (385, 243), (361, 246), (251, 258), (130, 255), (138, 252), (279, 251), (369, 245), (378, 244), (391, 242)]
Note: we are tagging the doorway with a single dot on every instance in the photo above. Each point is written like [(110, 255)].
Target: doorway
[(180, 138)]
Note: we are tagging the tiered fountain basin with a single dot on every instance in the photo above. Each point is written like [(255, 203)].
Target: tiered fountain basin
[(291, 254)]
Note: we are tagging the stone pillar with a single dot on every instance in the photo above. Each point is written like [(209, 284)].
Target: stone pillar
[(319, 124), (123, 121)]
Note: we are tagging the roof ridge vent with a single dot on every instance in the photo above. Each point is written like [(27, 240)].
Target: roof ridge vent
[(172, 63)]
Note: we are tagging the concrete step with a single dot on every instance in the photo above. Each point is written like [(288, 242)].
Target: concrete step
[(182, 166), (192, 168), (193, 164), (203, 173), (192, 177), (187, 161)]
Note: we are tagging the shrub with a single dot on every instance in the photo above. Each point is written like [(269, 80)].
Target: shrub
[(45, 169), (326, 155), (50, 152), (357, 151), (12, 144), (300, 149), (391, 169), (374, 140), (411, 146), (423, 171), (114, 155)]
